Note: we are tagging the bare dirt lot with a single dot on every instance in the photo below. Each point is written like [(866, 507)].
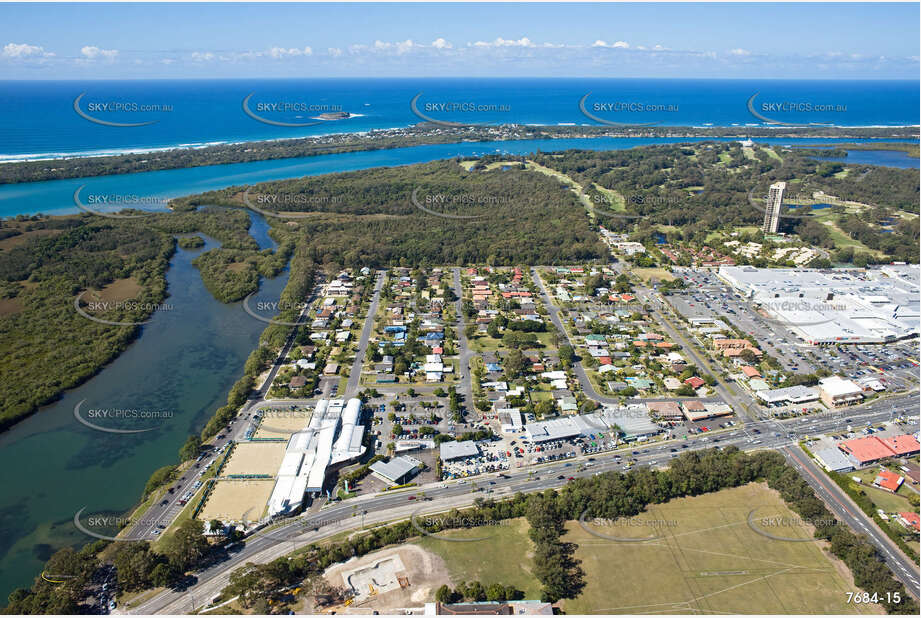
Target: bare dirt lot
[(9, 306), (401, 577)]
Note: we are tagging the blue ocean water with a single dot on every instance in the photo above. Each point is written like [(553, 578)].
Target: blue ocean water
[(38, 118)]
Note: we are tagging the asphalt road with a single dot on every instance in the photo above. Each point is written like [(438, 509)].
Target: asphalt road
[(577, 367), (365, 510), (362, 511), (351, 387), (846, 511), (465, 353)]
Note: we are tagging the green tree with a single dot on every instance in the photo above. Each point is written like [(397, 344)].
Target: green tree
[(191, 449), (444, 594), (514, 364)]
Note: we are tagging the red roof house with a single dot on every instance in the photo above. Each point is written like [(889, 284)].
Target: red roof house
[(888, 480), (910, 520), (695, 382)]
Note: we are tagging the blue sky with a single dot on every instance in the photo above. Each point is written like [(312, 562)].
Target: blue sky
[(766, 40)]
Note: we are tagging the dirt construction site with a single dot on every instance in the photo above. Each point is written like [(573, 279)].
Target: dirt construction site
[(390, 579)]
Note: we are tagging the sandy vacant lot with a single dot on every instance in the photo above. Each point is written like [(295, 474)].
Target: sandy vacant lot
[(255, 458), (234, 501)]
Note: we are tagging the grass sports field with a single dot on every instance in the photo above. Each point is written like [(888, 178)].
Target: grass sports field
[(235, 500), (255, 458), (701, 556), (503, 558)]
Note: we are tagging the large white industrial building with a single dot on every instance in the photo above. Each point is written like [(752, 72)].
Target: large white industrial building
[(832, 306), (633, 420), (333, 436)]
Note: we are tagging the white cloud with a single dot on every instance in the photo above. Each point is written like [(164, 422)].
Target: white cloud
[(500, 42), (740, 52), (24, 50), (400, 47), (281, 52), (335, 52), (91, 52), (615, 44), (440, 43), (203, 56)]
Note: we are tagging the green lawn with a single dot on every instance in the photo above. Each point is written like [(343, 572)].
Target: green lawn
[(883, 499), (484, 343), (504, 557)]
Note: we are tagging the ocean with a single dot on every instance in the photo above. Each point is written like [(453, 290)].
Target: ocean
[(42, 119)]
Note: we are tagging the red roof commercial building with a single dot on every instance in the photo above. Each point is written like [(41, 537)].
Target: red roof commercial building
[(904, 444), (872, 449), (866, 450)]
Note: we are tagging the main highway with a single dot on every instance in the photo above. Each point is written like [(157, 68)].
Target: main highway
[(365, 511)]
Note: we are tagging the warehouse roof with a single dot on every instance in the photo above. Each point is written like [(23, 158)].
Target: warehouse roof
[(396, 468), (456, 450)]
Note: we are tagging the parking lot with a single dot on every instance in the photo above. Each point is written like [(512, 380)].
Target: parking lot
[(709, 298), (680, 430), (491, 459)]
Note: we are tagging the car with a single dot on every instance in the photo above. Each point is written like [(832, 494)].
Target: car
[(560, 477), (412, 498)]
